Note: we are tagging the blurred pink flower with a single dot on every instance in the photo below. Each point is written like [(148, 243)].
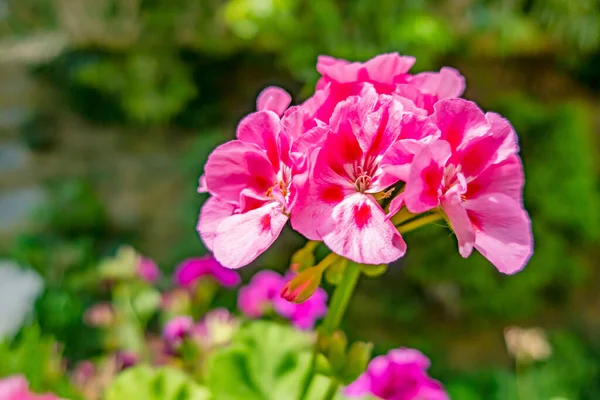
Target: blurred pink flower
[(126, 359), (264, 293), (100, 315), (192, 269), (147, 269), (177, 329), (474, 174), (399, 375), (17, 388)]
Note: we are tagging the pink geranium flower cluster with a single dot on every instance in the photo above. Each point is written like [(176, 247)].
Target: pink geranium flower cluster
[(262, 294), (370, 132)]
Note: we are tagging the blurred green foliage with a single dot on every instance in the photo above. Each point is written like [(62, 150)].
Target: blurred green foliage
[(38, 358)]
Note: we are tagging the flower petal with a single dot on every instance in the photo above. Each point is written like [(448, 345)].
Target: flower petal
[(459, 219), (274, 99), (506, 177), (359, 231), (459, 121), (446, 84), (235, 166), (502, 128), (503, 231), (422, 192), (262, 129), (212, 214), (385, 67), (241, 238)]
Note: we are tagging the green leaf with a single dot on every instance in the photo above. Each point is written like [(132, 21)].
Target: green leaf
[(146, 383), (266, 361)]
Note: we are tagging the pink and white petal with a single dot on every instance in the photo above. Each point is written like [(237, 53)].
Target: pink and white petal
[(405, 355), (503, 231), (459, 121), (425, 179), (235, 166), (446, 84), (323, 191), (262, 129), (506, 177), (502, 128), (395, 205), (274, 99), (241, 238), (213, 212), (459, 219), (385, 67), (359, 231), (396, 163)]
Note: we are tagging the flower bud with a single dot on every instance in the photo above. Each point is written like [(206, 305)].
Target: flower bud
[(337, 350), (304, 258), (303, 285), (357, 360), (373, 271), (335, 272)]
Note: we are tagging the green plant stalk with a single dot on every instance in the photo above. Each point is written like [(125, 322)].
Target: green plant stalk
[(337, 308), (419, 222), (332, 390)]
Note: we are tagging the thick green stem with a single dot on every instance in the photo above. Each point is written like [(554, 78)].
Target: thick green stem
[(332, 390), (341, 298), (419, 222), (337, 308)]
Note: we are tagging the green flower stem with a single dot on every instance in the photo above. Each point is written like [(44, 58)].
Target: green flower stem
[(419, 222), (332, 390), (337, 308), (341, 298)]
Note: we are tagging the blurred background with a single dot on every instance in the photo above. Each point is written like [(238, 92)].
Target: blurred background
[(109, 108)]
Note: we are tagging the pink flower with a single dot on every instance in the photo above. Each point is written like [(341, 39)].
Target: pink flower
[(126, 359), (148, 270), (388, 74), (474, 175), (192, 269), (399, 375), (253, 182), (257, 297), (273, 99), (17, 388), (369, 144), (263, 294), (177, 329)]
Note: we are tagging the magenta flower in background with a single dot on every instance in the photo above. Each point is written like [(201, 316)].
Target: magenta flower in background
[(192, 269), (258, 295), (17, 388), (474, 174), (263, 293), (126, 359), (399, 375), (147, 269), (177, 329)]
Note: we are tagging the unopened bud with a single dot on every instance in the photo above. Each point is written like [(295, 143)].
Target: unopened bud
[(373, 271), (357, 360), (337, 350), (304, 258), (302, 286), (335, 272)]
